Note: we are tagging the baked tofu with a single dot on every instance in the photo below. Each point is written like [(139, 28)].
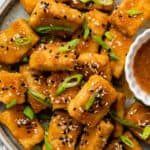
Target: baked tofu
[(93, 63), (120, 45), (119, 107), (48, 58), (50, 13), (139, 115), (12, 86), (27, 132), (114, 145), (96, 138), (36, 81), (88, 6), (16, 41), (127, 24), (28, 5), (104, 95), (97, 22), (61, 101), (136, 145), (63, 131)]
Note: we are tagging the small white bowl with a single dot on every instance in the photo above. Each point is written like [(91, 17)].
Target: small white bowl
[(133, 85)]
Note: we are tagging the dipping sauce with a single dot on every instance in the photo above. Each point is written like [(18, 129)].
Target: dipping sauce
[(141, 67)]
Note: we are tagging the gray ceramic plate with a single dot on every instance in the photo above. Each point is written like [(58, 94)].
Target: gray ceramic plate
[(10, 10)]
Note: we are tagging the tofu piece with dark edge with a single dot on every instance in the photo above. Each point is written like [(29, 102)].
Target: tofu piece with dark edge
[(48, 58), (16, 41), (27, 132), (104, 96), (12, 86), (63, 131), (96, 138)]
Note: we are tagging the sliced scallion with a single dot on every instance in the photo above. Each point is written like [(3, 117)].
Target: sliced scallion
[(22, 41), (108, 35), (47, 29), (37, 147), (122, 121), (69, 46), (126, 141), (134, 12), (105, 2), (11, 104), (146, 133), (86, 31), (28, 112), (47, 144), (113, 56), (25, 60), (40, 98), (90, 102), (69, 82)]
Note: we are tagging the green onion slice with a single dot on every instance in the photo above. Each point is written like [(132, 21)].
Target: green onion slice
[(90, 102), (99, 2), (133, 12), (22, 41), (40, 98), (37, 147), (69, 82), (47, 29), (28, 112), (11, 104), (25, 60), (126, 141), (122, 121), (108, 35), (86, 31), (113, 56), (69, 46), (47, 144), (146, 133)]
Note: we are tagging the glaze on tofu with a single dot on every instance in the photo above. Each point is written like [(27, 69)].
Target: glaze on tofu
[(63, 131), (105, 97), (10, 52), (114, 145), (61, 101), (12, 86), (96, 138), (27, 132), (48, 58)]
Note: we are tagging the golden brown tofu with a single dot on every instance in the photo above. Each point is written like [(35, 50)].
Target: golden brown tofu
[(130, 24), (27, 132), (28, 5), (36, 81), (96, 138), (114, 145), (63, 131), (61, 101), (12, 86), (104, 95), (139, 115), (10, 51), (120, 45), (50, 13), (89, 6), (97, 22), (48, 58), (119, 107), (93, 63), (136, 144)]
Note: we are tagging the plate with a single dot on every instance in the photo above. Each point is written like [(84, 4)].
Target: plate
[(11, 10)]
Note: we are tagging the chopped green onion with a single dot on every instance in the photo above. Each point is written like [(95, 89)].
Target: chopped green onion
[(133, 12), (69, 82), (22, 41), (126, 141), (108, 35), (25, 60), (90, 102), (146, 133), (69, 46), (101, 42), (47, 29), (40, 98), (122, 121), (99, 2), (37, 147), (47, 144), (11, 104), (28, 112), (86, 31), (113, 56), (45, 125), (44, 116)]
